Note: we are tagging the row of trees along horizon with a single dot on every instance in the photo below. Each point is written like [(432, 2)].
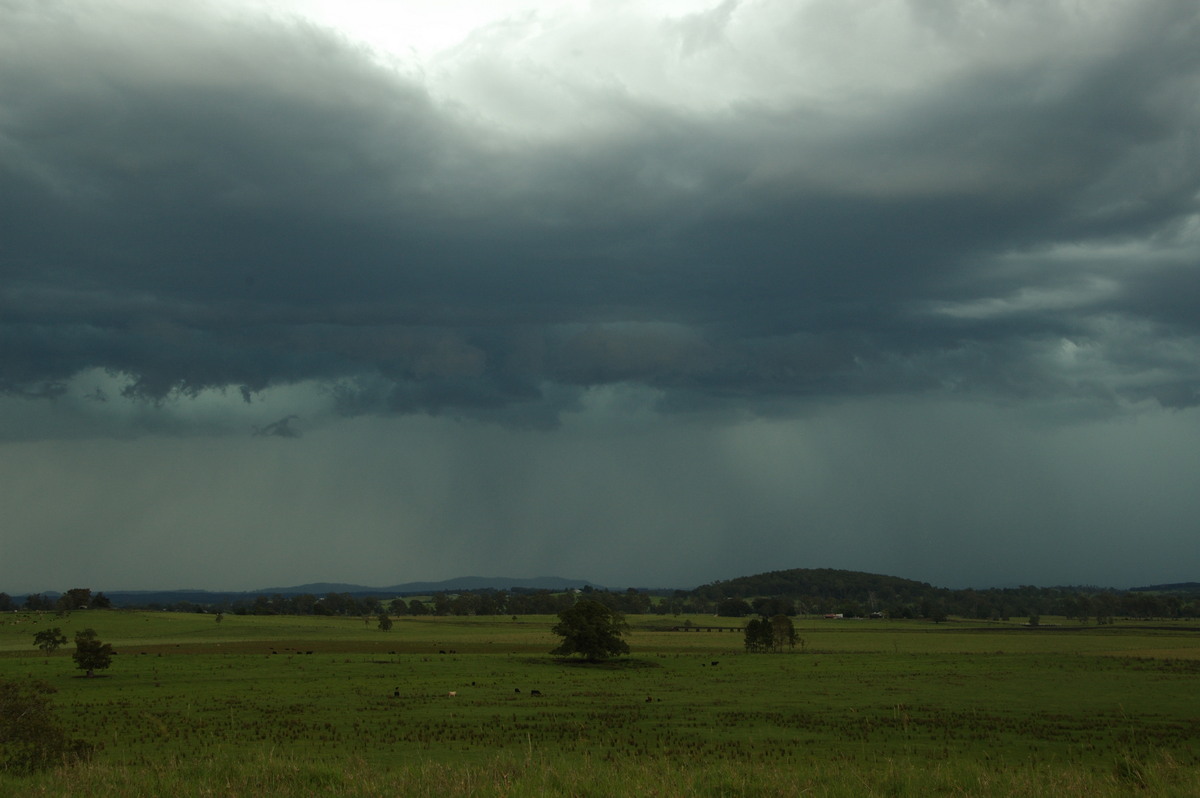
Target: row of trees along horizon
[(794, 592)]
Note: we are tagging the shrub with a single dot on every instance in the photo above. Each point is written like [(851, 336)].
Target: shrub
[(31, 738)]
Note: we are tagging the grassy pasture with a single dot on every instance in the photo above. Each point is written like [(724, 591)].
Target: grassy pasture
[(312, 705)]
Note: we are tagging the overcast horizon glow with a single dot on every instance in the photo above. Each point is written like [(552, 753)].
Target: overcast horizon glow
[(646, 294)]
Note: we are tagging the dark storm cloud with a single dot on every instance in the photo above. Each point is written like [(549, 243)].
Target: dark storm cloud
[(195, 202)]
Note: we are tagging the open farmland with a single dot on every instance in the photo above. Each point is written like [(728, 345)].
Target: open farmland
[(311, 705)]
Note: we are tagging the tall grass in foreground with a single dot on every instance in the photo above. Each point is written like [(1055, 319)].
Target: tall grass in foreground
[(281, 777)]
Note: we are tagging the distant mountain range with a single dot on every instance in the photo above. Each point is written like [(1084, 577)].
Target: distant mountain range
[(447, 585), (141, 598)]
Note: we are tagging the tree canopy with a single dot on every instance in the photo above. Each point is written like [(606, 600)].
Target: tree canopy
[(90, 654), (48, 640), (591, 630), (770, 635)]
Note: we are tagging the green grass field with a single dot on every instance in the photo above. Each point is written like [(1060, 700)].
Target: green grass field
[(333, 706)]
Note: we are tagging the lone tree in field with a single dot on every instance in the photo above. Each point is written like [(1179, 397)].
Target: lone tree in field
[(763, 635), (759, 636), (90, 654), (48, 640), (385, 622), (592, 630), (783, 632)]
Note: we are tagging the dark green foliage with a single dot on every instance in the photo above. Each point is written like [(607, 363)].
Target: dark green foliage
[(768, 607), (592, 630), (90, 654), (77, 598), (774, 634), (385, 623), (758, 635), (734, 608), (829, 590), (783, 632), (37, 602), (31, 738), (48, 640)]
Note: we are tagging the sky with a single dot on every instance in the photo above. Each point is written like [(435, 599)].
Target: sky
[(643, 293)]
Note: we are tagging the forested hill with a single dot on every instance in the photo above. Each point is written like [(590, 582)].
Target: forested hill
[(827, 583), (1190, 588), (819, 591)]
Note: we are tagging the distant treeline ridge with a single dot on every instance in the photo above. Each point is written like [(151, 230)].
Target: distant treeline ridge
[(792, 592)]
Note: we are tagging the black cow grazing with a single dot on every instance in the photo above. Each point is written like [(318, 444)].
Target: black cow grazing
[(517, 690), (396, 693), (649, 700), (715, 663), (535, 692)]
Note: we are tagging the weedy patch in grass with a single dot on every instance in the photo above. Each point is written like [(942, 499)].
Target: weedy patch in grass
[(614, 664)]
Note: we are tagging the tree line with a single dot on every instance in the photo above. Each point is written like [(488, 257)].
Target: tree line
[(471, 602), (797, 592)]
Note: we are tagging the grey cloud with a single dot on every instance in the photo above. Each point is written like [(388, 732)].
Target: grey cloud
[(282, 428), (198, 204), (902, 286)]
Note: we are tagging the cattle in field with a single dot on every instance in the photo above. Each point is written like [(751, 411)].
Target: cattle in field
[(535, 692), (452, 694)]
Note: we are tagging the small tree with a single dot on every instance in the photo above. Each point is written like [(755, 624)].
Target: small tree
[(31, 737), (77, 598), (764, 635), (592, 630), (91, 655), (385, 623), (758, 635), (783, 632), (48, 640)]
